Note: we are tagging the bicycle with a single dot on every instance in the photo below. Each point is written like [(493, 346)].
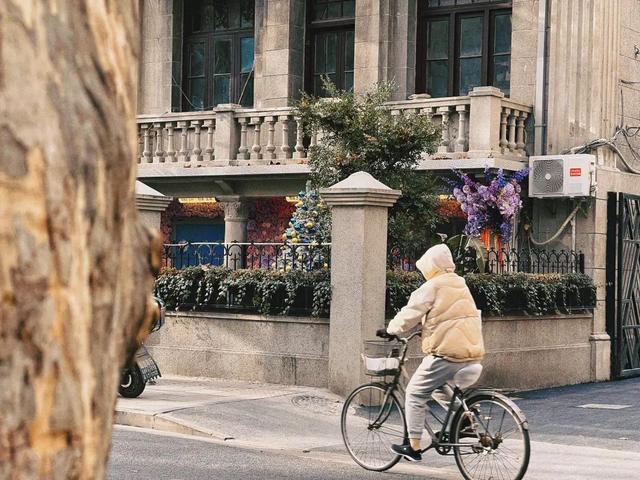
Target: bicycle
[(373, 419)]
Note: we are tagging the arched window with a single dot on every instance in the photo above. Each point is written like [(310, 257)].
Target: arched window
[(218, 57), (463, 44)]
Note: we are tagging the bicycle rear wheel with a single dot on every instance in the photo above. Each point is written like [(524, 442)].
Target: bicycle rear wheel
[(373, 420), (496, 445)]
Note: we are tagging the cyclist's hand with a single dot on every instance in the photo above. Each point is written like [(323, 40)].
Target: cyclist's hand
[(382, 333)]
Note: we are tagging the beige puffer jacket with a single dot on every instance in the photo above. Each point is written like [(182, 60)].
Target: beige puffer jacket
[(451, 323)]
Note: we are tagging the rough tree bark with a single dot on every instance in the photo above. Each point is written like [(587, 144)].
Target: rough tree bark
[(75, 269)]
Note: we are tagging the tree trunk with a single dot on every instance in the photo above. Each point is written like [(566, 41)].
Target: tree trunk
[(75, 268)]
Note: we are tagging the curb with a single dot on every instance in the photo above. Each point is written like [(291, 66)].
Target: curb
[(164, 422)]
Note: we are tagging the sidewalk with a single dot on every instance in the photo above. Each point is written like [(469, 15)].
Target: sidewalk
[(568, 441)]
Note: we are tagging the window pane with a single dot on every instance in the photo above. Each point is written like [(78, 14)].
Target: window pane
[(334, 10), (438, 46), (320, 53), (221, 89), (247, 11), (332, 52), (349, 8), (246, 90), (196, 60), (320, 11), (348, 81), (470, 74), (502, 72), (470, 36), (196, 93), (438, 78), (222, 56), (502, 34), (221, 15), (246, 54), (348, 54)]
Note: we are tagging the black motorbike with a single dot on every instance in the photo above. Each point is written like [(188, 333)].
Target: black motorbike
[(142, 368)]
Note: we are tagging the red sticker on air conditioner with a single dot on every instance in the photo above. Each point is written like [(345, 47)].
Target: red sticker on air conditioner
[(575, 172)]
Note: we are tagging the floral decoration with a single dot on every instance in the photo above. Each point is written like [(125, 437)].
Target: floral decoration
[(492, 204)]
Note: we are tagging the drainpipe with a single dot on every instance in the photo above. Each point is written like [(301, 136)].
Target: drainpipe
[(540, 106)]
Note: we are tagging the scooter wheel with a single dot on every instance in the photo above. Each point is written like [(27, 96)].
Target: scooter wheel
[(132, 383)]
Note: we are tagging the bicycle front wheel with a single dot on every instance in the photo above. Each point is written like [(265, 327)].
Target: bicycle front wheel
[(492, 442), (373, 420)]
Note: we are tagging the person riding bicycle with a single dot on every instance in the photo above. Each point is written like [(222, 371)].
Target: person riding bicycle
[(451, 339)]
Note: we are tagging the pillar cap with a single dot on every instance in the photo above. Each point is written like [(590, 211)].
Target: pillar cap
[(360, 189), (486, 92)]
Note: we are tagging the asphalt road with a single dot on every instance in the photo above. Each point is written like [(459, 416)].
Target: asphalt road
[(139, 454)]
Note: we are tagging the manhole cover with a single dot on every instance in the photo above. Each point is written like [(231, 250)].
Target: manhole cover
[(321, 405)]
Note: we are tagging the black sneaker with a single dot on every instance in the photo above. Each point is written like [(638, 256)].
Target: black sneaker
[(407, 452)]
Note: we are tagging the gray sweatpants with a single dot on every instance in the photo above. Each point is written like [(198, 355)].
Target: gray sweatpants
[(433, 373)]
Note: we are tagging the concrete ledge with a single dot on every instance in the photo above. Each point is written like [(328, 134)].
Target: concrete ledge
[(163, 422)]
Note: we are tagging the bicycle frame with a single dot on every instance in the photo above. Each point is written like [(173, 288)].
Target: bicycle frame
[(457, 396)]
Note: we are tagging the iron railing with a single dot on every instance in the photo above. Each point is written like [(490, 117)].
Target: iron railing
[(500, 261), (269, 256)]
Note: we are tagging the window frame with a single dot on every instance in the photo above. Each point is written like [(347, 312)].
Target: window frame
[(209, 38), (454, 14), (315, 27)]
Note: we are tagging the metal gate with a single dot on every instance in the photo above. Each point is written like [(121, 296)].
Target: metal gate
[(623, 283)]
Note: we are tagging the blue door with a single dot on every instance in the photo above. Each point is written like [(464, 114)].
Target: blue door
[(199, 254)]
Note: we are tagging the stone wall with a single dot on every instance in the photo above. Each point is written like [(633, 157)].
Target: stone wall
[(523, 352)]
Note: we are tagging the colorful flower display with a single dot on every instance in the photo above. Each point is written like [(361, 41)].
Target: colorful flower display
[(493, 204)]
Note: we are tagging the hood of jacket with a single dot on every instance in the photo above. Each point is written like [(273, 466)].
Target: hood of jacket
[(436, 260)]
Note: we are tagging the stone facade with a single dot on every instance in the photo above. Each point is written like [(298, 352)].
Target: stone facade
[(575, 68)]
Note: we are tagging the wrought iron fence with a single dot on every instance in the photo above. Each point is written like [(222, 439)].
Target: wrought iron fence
[(500, 261), (269, 256)]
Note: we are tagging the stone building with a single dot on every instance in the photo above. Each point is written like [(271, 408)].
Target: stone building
[(507, 79)]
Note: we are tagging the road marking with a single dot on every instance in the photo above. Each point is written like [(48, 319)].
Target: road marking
[(604, 406)]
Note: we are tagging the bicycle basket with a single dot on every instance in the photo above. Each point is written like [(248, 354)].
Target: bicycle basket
[(381, 358)]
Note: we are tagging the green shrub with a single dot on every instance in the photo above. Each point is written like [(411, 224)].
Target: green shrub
[(518, 293), (263, 291), (282, 293)]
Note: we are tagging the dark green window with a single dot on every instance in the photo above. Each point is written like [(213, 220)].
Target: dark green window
[(463, 44), (218, 53), (330, 44)]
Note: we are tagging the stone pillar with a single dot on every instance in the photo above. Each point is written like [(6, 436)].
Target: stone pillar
[(157, 62), (227, 134), (484, 121), (279, 52), (385, 45), (235, 218), (359, 209)]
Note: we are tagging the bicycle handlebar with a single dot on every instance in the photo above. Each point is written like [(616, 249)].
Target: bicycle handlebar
[(382, 333)]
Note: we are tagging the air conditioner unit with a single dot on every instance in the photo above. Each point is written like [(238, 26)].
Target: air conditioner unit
[(561, 176)]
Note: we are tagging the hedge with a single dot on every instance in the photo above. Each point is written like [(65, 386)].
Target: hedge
[(516, 293), (309, 293)]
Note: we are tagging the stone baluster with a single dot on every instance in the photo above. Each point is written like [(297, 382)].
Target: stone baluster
[(504, 143), (461, 141), (146, 149), (300, 153), (159, 152), (209, 149), (197, 150), (140, 144), (520, 145), (512, 131), (243, 149), (314, 140), (285, 148), (183, 154), (271, 134), (444, 137), (428, 111), (171, 151), (256, 148)]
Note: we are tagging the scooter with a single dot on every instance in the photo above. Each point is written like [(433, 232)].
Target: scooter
[(142, 368)]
